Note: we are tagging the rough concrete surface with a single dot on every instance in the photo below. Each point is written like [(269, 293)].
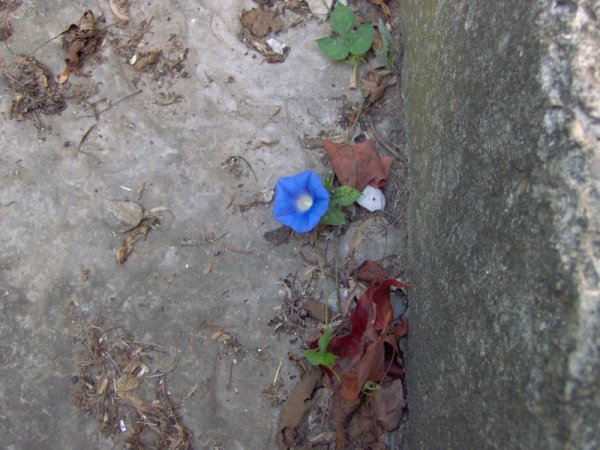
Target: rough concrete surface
[(206, 264), (502, 120)]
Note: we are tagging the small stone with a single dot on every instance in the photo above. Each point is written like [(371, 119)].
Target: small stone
[(320, 8)]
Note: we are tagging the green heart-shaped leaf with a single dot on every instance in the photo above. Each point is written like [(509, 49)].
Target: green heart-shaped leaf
[(333, 48), (345, 196), (362, 39), (342, 19), (333, 216)]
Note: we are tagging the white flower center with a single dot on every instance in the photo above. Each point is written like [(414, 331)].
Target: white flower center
[(304, 203)]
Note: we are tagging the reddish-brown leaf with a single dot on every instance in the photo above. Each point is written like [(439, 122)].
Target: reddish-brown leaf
[(369, 351), (387, 405), (400, 329), (381, 299), (351, 344), (370, 271), (358, 165)]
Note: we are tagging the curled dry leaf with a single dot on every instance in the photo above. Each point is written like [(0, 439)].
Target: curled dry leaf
[(374, 86), (139, 232), (120, 10), (79, 42), (143, 61)]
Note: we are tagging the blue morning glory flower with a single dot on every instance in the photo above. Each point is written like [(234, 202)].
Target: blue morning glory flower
[(300, 201)]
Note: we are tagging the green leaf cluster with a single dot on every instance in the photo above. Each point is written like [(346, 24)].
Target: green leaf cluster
[(346, 41), (321, 357), (342, 196)]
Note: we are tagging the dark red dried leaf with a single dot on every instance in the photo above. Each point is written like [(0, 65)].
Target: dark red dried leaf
[(381, 298), (370, 271)]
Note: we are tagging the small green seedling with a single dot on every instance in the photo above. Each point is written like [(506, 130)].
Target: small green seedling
[(342, 196), (321, 357), (371, 387), (347, 42)]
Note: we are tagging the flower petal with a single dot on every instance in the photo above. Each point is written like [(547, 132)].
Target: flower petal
[(289, 189)]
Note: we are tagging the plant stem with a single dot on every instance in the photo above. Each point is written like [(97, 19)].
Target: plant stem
[(354, 74)]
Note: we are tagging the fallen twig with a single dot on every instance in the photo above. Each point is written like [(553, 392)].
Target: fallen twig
[(394, 151)]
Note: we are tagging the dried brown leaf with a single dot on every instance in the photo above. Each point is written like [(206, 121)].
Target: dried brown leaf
[(387, 405), (385, 9), (145, 60), (358, 165), (295, 409), (261, 21), (317, 310), (79, 42)]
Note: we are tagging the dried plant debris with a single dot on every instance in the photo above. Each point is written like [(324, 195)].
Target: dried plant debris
[(374, 86), (5, 28), (79, 43), (385, 9), (295, 410), (139, 222), (144, 61), (120, 9), (127, 48), (160, 62), (257, 25), (113, 385), (35, 91), (278, 236), (364, 395)]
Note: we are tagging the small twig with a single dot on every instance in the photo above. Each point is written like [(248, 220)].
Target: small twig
[(277, 372), (350, 131), (245, 160), (238, 250), (115, 103), (191, 392), (230, 203), (337, 281), (211, 240), (141, 190), (219, 325), (84, 137), (45, 43), (384, 144), (228, 385)]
